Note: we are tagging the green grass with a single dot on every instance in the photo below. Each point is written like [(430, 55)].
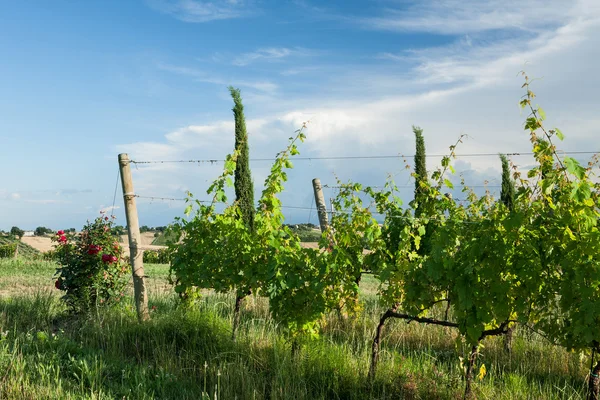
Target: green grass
[(182, 353)]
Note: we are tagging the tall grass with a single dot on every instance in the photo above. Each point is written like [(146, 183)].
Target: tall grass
[(188, 354)]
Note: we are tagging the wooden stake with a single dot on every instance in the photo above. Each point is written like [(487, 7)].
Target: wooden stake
[(135, 240), (320, 203)]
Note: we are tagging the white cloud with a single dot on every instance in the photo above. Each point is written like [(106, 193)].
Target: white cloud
[(300, 70), (201, 76), (471, 16), (269, 54), (46, 201), (469, 87), (201, 10), (262, 54)]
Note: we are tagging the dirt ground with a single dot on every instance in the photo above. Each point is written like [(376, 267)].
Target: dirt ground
[(40, 243), (45, 244), (147, 239)]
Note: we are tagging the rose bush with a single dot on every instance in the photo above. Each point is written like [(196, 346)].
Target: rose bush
[(92, 272)]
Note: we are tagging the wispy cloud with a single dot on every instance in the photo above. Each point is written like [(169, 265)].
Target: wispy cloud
[(269, 54), (73, 191), (480, 63), (300, 70), (202, 10), (201, 76), (393, 57), (33, 196), (46, 201), (470, 16)]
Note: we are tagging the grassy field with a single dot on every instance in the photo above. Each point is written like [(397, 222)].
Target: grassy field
[(188, 353)]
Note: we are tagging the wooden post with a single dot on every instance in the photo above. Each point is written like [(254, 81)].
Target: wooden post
[(133, 230), (320, 203)]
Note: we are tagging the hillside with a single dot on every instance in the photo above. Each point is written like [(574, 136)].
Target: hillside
[(25, 250), (40, 243), (161, 239)]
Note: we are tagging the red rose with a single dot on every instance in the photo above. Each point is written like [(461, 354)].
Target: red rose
[(62, 239), (61, 232), (58, 283), (106, 258), (94, 249), (106, 218)]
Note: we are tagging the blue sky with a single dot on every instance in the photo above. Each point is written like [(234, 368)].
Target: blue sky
[(81, 82)]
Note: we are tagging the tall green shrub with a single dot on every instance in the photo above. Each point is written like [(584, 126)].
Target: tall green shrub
[(244, 188), (420, 178), (8, 250), (420, 167), (507, 194)]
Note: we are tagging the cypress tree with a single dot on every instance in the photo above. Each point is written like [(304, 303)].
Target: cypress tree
[(244, 187), (421, 176), (507, 194), (420, 166)]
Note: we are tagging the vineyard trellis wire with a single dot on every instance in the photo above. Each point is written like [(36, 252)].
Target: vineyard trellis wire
[(370, 157)]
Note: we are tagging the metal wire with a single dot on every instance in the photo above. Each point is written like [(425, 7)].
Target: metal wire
[(375, 157)]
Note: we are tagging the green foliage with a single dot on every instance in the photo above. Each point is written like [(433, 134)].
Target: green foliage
[(420, 173), (50, 255), (534, 262), (17, 232), (156, 256), (219, 251), (532, 258), (306, 232), (507, 194), (244, 188), (116, 230), (162, 239), (91, 272), (42, 230), (8, 250), (25, 250)]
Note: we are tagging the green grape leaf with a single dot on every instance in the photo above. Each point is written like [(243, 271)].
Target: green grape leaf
[(559, 134), (574, 167), (541, 113)]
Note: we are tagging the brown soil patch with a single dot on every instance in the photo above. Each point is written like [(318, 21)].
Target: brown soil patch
[(147, 239), (40, 243)]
